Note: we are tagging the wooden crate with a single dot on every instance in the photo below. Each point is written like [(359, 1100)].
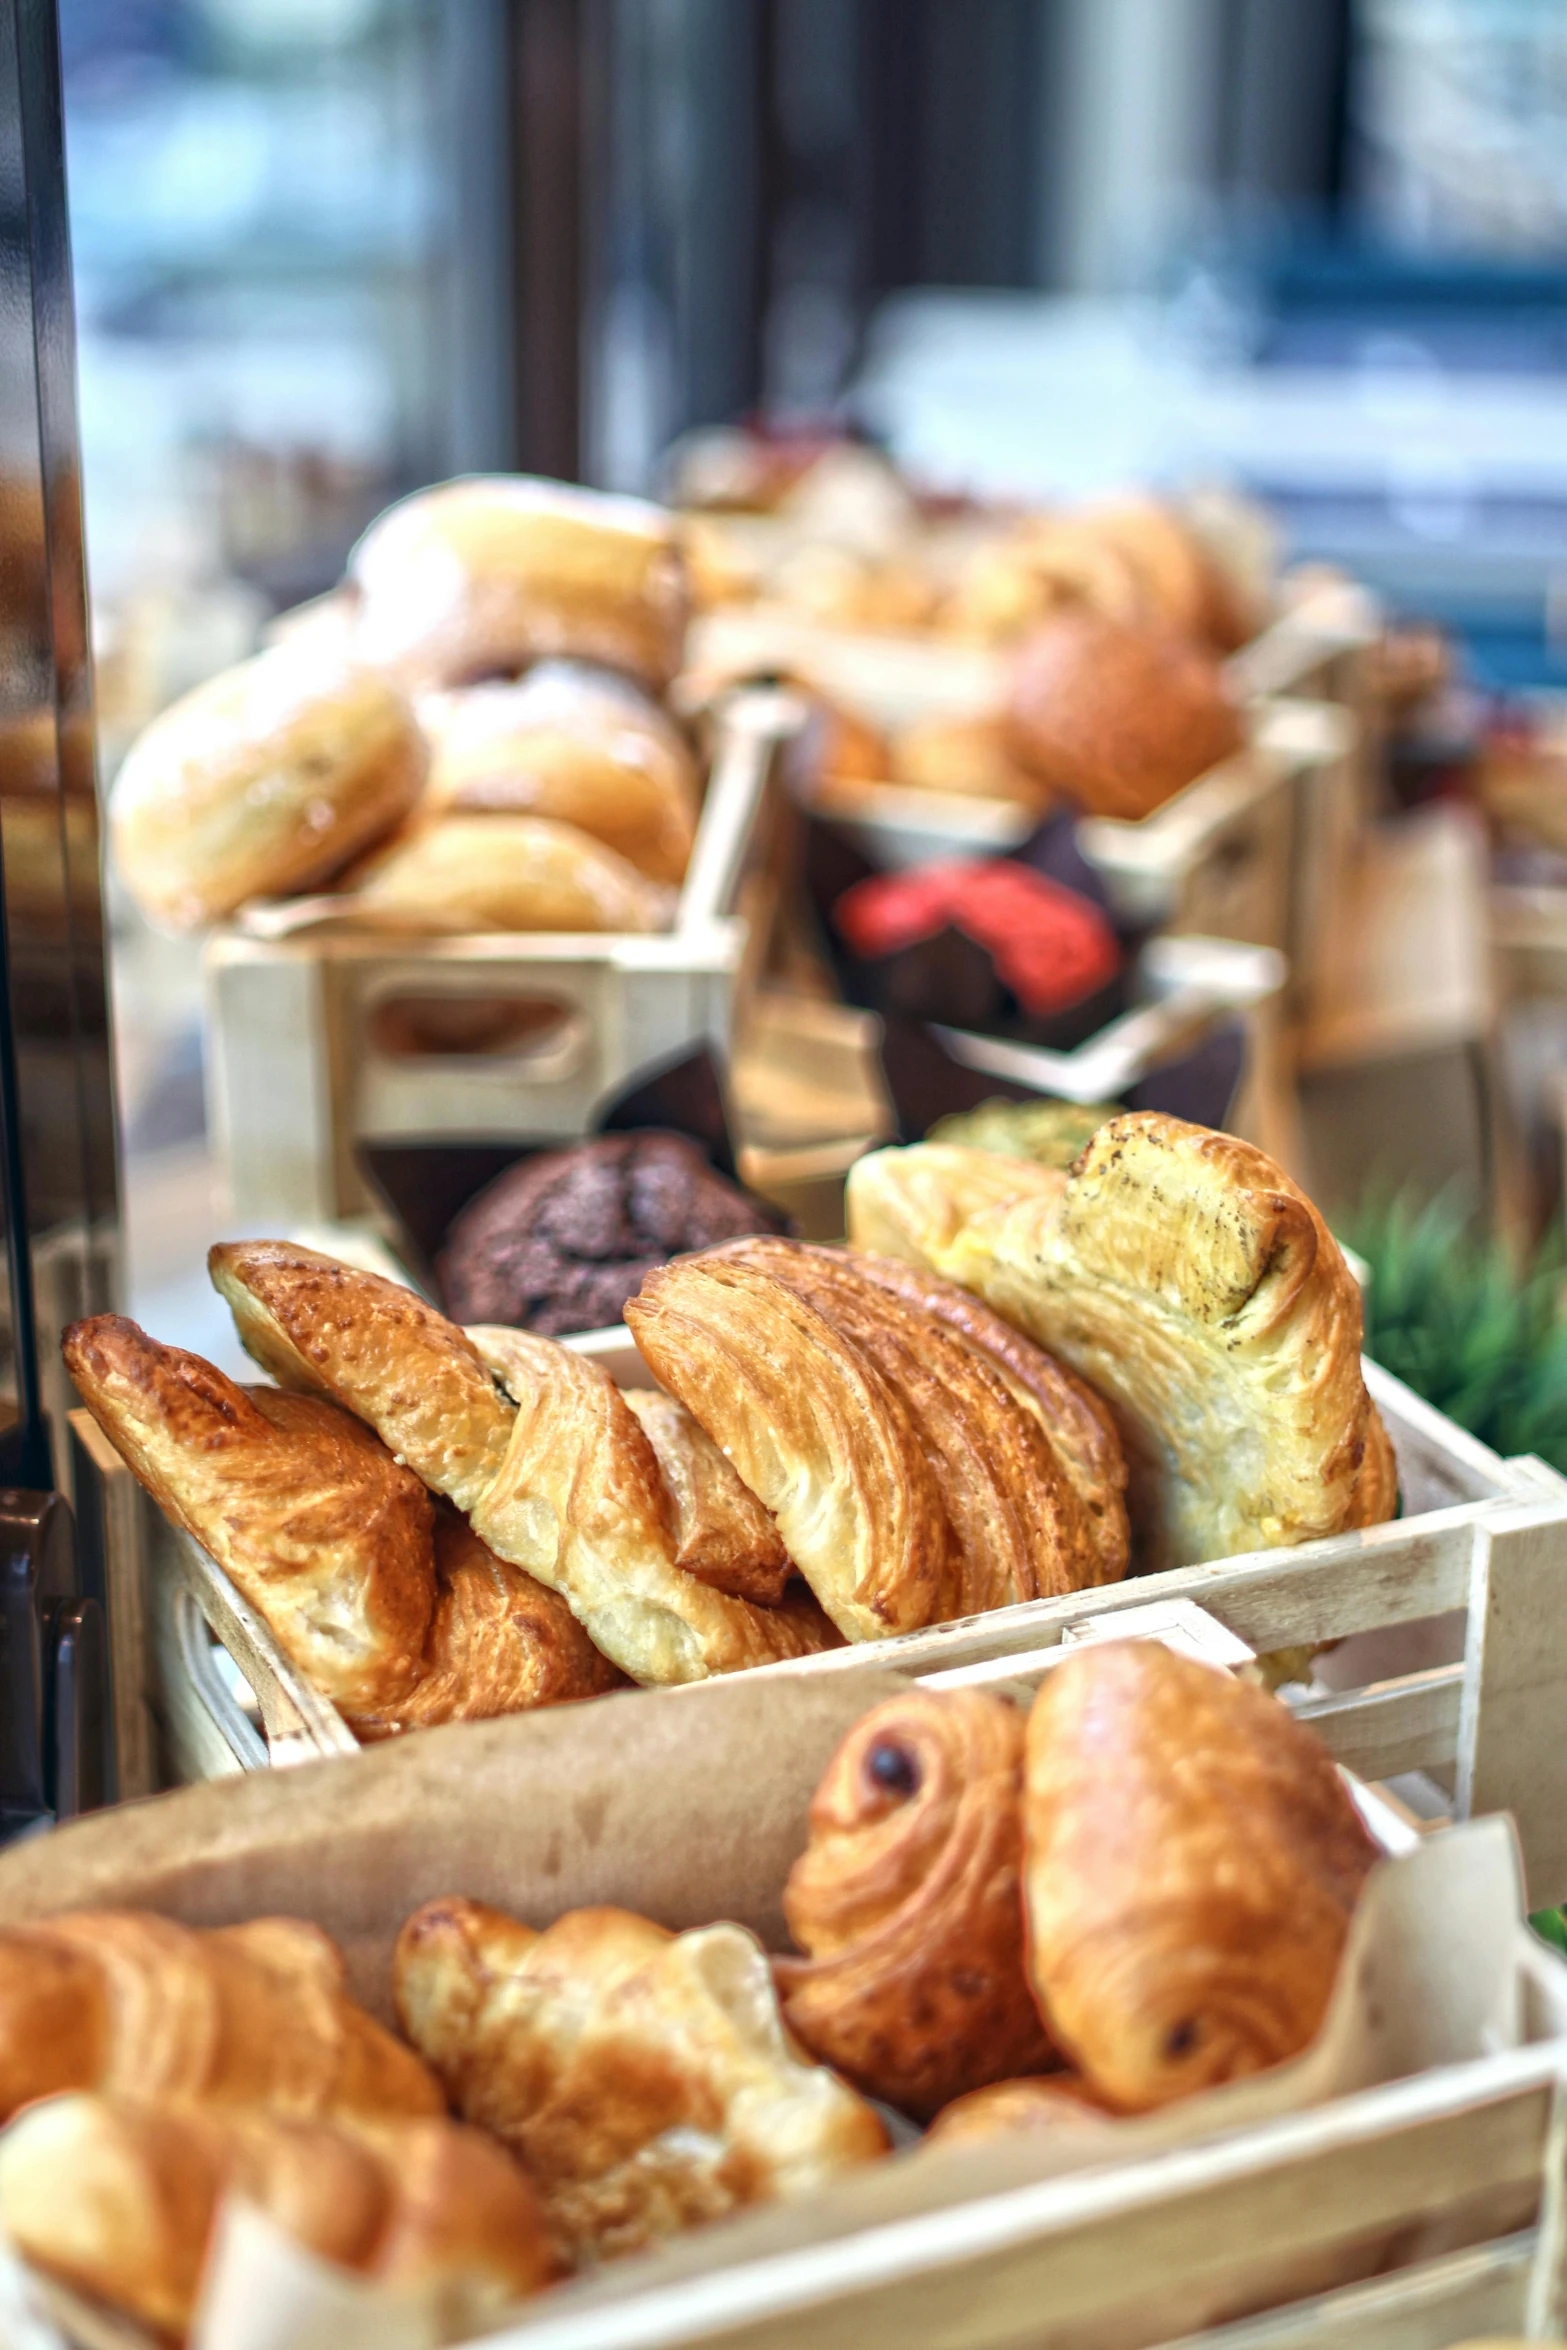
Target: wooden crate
[(1483, 1543), (302, 1070)]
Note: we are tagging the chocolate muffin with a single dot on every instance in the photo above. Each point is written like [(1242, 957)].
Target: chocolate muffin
[(560, 1242)]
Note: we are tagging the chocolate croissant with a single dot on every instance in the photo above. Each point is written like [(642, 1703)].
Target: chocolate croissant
[(814, 1429), (1192, 1860), (397, 1613), (120, 2199), (642, 2079), (1019, 1530), (1184, 1276), (908, 1901), (566, 1487), (138, 2006)]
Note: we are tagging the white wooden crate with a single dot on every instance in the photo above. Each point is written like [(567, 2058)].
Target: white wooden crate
[(1453, 1619), (301, 1071)]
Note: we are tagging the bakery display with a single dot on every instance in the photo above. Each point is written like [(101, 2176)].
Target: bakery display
[(551, 1466), (574, 743), (453, 875), (482, 577), (1196, 1289), (1199, 1939), (560, 1241), (1118, 718), (132, 2005), (643, 2079), (907, 1903), (265, 781), (392, 1608), (120, 2200)]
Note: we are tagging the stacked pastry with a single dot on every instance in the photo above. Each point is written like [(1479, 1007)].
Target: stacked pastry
[(1015, 1383), (470, 736), (978, 1950)]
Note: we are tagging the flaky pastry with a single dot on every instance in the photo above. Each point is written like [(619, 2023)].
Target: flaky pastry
[(581, 1504), (265, 780), (907, 1899), (1187, 1279), (643, 2079), (1059, 2103), (1191, 1862), (814, 1430), (1018, 1529), (484, 576), (138, 2006), (723, 1535), (913, 1203), (120, 2199), (455, 874), (574, 743)]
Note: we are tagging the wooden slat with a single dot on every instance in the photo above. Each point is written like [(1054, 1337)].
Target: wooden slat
[(1512, 1754), (1466, 2295), (1405, 1725), (290, 1707)]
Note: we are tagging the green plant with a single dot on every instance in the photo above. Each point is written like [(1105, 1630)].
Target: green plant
[(1474, 1332)]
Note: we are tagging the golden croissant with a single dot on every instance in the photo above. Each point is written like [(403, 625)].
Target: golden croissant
[(1192, 1860), (722, 1533), (1019, 1528), (556, 1474), (908, 1900), (643, 2079), (573, 743), (139, 2006), (1061, 2103), (396, 1613), (120, 2198), (1186, 1278), (815, 1431)]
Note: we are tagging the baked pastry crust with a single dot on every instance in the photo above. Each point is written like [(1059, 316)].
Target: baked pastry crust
[(120, 2200), (263, 781), (309, 1517), (580, 1503), (913, 1203), (1060, 2103), (455, 875), (1184, 1276), (813, 1429), (574, 743), (643, 2079), (483, 576), (907, 1899), (1116, 718), (1192, 1860), (723, 1535), (138, 2006), (1078, 1424), (1017, 1527)]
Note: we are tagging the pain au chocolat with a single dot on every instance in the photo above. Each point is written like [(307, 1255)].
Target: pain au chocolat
[(1187, 1279)]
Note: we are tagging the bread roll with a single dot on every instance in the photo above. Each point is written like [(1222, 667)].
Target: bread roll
[(484, 576), (1191, 1862), (459, 874), (574, 743), (1118, 718), (264, 781)]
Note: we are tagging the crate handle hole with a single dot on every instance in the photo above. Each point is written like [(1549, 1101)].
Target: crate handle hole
[(489, 1028)]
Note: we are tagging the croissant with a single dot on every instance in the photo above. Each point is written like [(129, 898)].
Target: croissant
[(1187, 1279), (1060, 2102), (723, 1535), (402, 1617), (1016, 1523), (913, 1203), (120, 2199), (307, 1514), (814, 1430), (459, 874), (574, 743), (643, 2079), (580, 1502), (907, 1899), (137, 2006), (1079, 1425), (1192, 1859)]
